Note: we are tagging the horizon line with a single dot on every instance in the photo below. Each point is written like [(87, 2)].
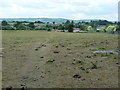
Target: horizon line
[(56, 18)]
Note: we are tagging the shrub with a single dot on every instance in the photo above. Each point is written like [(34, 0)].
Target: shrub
[(21, 27), (48, 29), (40, 28), (94, 65), (111, 28)]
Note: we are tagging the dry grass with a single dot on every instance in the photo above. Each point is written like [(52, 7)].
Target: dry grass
[(23, 65)]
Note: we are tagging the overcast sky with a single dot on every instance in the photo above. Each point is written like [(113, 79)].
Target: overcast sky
[(70, 9)]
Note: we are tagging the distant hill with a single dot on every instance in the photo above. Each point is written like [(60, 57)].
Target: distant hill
[(45, 20), (56, 20)]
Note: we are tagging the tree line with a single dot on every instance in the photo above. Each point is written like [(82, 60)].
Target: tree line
[(68, 25)]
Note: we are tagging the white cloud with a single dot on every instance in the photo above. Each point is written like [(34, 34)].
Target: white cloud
[(75, 9)]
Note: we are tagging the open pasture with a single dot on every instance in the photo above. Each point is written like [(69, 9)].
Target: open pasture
[(40, 59)]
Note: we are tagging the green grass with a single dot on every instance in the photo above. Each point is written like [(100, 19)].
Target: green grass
[(22, 60)]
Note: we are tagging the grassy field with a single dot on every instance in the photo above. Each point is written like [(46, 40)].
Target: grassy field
[(39, 59)]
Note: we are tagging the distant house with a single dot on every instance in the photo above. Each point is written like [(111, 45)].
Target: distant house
[(101, 26), (82, 24), (76, 29)]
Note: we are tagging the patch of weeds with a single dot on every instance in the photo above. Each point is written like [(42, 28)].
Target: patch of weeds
[(68, 49), (88, 56), (82, 68), (102, 48), (94, 54), (93, 49), (111, 56), (81, 62), (111, 53), (74, 62), (115, 57), (82, 52), (86, 45), (103, 55), (77, 46), (101, 42), (94, 65), (91, 44), (43, 45), (78, 62)]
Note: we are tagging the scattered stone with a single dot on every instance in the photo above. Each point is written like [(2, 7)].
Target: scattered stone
[(63, 46), (9, 88), (25, 77), (98, 79), (35, 80), (65, 55), (87, 68), (118, 66), (35, 66), (62, 62), (77, 76), (74, 62), (59, 43), (56, 51), (48, 82), (39, 47), (1, 55), (82, 53), (42, 76), (22, 85), (88, 56), (69, 43), (68, 49), (79, 61), (1, 48), (87, 71), (74, 59), (82, 68), (50, 61), (36, 49), (56, 46), (23, 55), (101, 42), (70, 52), (68, 68), (43, 45), (49, 71), (41, 57), (91, 44), (24, 88), (83, 79)]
